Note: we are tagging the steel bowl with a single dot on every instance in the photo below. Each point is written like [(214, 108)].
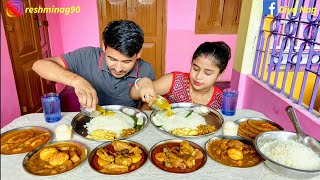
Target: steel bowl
[(257, 119), (280, 168), (93, 152), (46, 130), (81, 119), (239, 138), (211, 118), (164, 142), (53, 143)]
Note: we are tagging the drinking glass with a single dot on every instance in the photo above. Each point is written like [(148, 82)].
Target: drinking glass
[(51, 107), (229, 101)]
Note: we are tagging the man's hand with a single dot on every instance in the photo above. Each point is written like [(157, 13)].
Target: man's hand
[(87, 95), (146, 91)]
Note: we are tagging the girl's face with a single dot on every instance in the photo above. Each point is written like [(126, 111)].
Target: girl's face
[(203, 73)]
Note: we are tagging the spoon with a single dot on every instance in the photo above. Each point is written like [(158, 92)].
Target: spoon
[(161, 103), (302, 136), (97, 112)]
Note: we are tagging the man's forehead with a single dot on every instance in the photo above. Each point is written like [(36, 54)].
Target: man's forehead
[(119, 59), (117, 55)]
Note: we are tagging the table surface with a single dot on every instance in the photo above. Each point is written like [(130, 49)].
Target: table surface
[(11, 165)]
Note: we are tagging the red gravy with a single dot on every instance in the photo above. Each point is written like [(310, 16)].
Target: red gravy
[(173, 169)]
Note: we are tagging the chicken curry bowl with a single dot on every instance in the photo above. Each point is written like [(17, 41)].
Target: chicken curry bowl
[(233, 151), (25, 139), (178, 156), (55, 158), (118, 157)]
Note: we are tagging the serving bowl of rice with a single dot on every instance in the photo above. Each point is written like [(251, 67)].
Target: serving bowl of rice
[(285, 155), (121, 122), (188, 120)]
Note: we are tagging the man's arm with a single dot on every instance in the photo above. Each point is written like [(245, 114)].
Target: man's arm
[(54, 69), (147, 89)]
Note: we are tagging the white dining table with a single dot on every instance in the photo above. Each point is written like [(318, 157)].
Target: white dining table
[(12, 169)]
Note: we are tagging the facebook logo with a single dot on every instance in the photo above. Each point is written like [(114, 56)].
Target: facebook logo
[(270, 7)]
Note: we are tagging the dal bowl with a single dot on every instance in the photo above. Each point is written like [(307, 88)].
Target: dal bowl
[(266, 137)]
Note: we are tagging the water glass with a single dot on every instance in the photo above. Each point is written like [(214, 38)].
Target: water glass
[(51, 107), (229, 101)]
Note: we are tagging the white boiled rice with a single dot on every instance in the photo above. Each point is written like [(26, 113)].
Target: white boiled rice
[(292, 154), (179, 120), (115, 123)]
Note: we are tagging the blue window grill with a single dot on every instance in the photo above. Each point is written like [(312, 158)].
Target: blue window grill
[(288, 52)]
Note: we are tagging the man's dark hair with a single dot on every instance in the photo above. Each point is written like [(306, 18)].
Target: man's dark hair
[(219, 52), (124, 36)]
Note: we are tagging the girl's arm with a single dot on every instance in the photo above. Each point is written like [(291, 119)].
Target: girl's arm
[(147, 90)]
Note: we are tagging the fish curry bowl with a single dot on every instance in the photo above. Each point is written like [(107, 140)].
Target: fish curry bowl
[(285, 155)]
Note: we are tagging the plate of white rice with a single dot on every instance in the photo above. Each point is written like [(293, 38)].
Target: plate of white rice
[(123, 123), (188, 120), (285, 155)]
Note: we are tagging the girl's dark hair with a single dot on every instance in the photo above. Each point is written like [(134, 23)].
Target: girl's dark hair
[(124, 36), (219, 52)]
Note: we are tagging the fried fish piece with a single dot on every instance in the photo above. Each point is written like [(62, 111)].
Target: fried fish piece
[(262, 125), (243, 134), (243, 126), (252, 129)]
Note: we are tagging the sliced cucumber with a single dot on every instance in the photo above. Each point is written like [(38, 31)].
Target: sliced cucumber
[(157, 122), (140, 121)]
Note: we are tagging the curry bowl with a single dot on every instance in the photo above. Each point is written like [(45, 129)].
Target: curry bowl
[(118, 157), (250, 127), (189, 121), (234, 151), (24, 139), (266, 139), (54, 158), (121, 122), (178, 156)]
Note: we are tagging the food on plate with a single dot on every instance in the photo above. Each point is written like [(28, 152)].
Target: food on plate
[(292, 154), (118, 157), (262, 125), (162, 104), (24, 140), (128, 111), (251, 128), (177, 157), (56, 158), (230, 128), (201, 110), (183, 123), (118, 125), (63, 132), (47, 153), (232, 152)]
